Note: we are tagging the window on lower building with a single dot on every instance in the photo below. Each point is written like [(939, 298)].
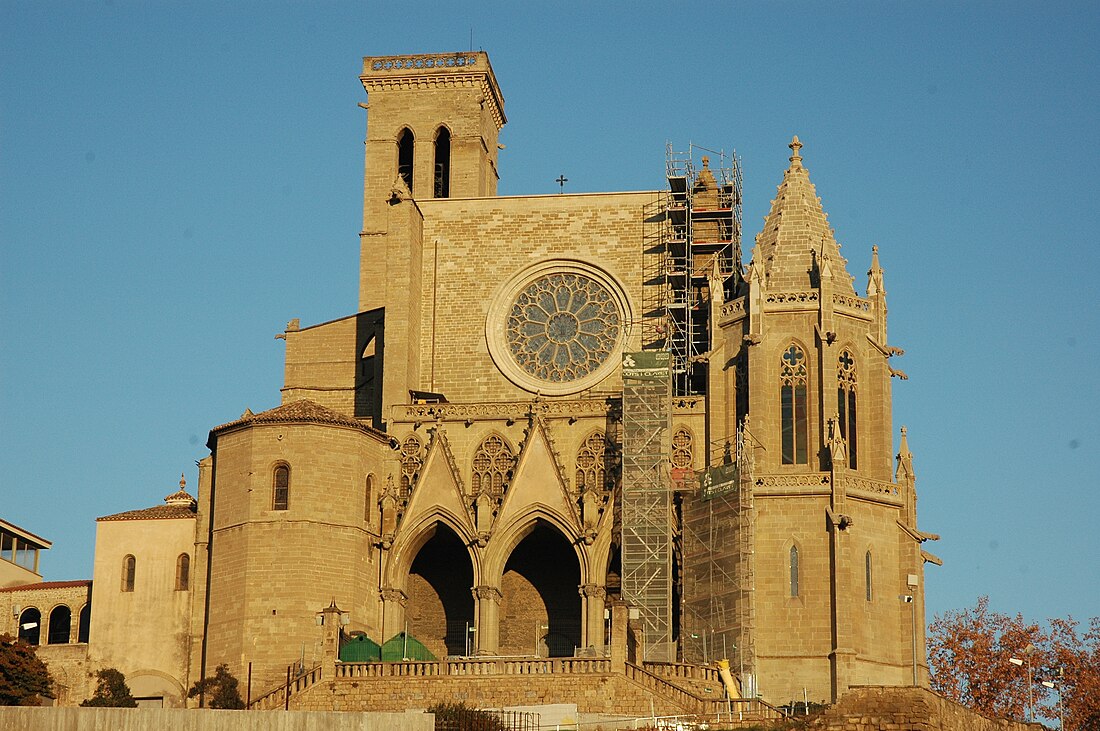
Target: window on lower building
[(82, 630), (183, 572), (129, 569), (30, 625)]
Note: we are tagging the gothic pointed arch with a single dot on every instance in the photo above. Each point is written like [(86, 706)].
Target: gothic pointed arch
[(794, 405), (438, 494), (438, 583), (591, 463), (539, 484), (540, 574)]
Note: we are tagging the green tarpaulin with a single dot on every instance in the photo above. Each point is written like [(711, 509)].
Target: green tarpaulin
[(404, 647), (360, 648)]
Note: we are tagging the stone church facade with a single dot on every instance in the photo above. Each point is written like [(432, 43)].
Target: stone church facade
[(456, 460)]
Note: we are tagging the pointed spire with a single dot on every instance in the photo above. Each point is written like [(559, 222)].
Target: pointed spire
[(796, 232), (874, 276), (904, 469)]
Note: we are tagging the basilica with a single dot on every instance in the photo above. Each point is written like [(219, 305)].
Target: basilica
[(548, 412)]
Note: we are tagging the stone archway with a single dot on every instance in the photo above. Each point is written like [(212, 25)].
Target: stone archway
[(540, 610), (440, 606)]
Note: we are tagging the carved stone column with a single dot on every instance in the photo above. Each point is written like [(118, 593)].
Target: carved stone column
[(487, 599), (593, 597), (393, 612)]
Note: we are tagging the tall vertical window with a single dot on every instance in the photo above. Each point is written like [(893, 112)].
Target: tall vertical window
[(442, 164), (368, 499), (867, 572), (183, 572), (280, 497), (405, 157), (493, 465), (794, 570), (129, 569), (846, 402), (682, 457), (793, 403), (82, 630)]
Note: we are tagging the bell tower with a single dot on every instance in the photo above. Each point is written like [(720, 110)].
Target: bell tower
[(806, 383), (433, 122)]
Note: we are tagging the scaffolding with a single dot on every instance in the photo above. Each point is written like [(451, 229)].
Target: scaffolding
[(692, 239), (647, 527), (719, 616)]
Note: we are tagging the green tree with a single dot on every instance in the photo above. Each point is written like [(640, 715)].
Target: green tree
[(220, 691), (24, 678), (111, 691), (1074, 661)]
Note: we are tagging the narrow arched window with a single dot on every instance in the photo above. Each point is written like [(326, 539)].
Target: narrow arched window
[(368, 499), (592, 463), (61, 623), (793, 404), (183, 572), (412, 459), (129, 569), (794, 570), (281, 488), (83, 629), (442, 164), (30, 626), (405, 157), (846, 402), (492, 466), (867, 575)]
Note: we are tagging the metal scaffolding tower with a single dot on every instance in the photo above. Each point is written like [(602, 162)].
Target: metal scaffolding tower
[(692, 240), (646, 500), (719, 616)]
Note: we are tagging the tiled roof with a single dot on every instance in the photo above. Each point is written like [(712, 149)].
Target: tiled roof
[(296, 412), (43, 585), (159, 512)]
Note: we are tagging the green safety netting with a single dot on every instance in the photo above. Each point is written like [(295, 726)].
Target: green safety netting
[(404, 647), (360, 648)]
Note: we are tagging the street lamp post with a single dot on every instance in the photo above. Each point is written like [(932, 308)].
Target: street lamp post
[(1016, 661), (1054, 686)]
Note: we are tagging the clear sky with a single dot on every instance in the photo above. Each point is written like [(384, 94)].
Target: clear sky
[(178, 180)]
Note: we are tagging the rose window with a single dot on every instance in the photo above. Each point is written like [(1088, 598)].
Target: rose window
[(562, 327)]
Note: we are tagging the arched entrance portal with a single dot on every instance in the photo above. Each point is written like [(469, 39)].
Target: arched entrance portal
[(541, 606), (440, 606)]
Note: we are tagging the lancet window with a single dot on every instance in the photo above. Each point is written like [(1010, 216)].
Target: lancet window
[(412, 459), (405, 157), (493, 465), (846, 402), (592, 463), (794, 407), (368, 499), (442, 164), (867, 575), (183, 572), (793, 566)]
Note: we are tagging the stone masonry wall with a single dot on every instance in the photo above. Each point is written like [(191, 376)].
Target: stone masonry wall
[(872, 708)]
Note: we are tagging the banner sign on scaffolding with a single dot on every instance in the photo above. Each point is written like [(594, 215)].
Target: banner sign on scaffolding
[(718, 480), (646, 365)]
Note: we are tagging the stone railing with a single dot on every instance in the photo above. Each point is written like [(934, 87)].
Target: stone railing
[(422, 62), (516, 410), (475, 667), (280, 696), (852, 303), (684, 671), (878, 488), (812, 482), (730, 309), (785, 300), (650, 681)]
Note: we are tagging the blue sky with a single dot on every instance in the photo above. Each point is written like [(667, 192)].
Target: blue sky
[(178, 180)]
